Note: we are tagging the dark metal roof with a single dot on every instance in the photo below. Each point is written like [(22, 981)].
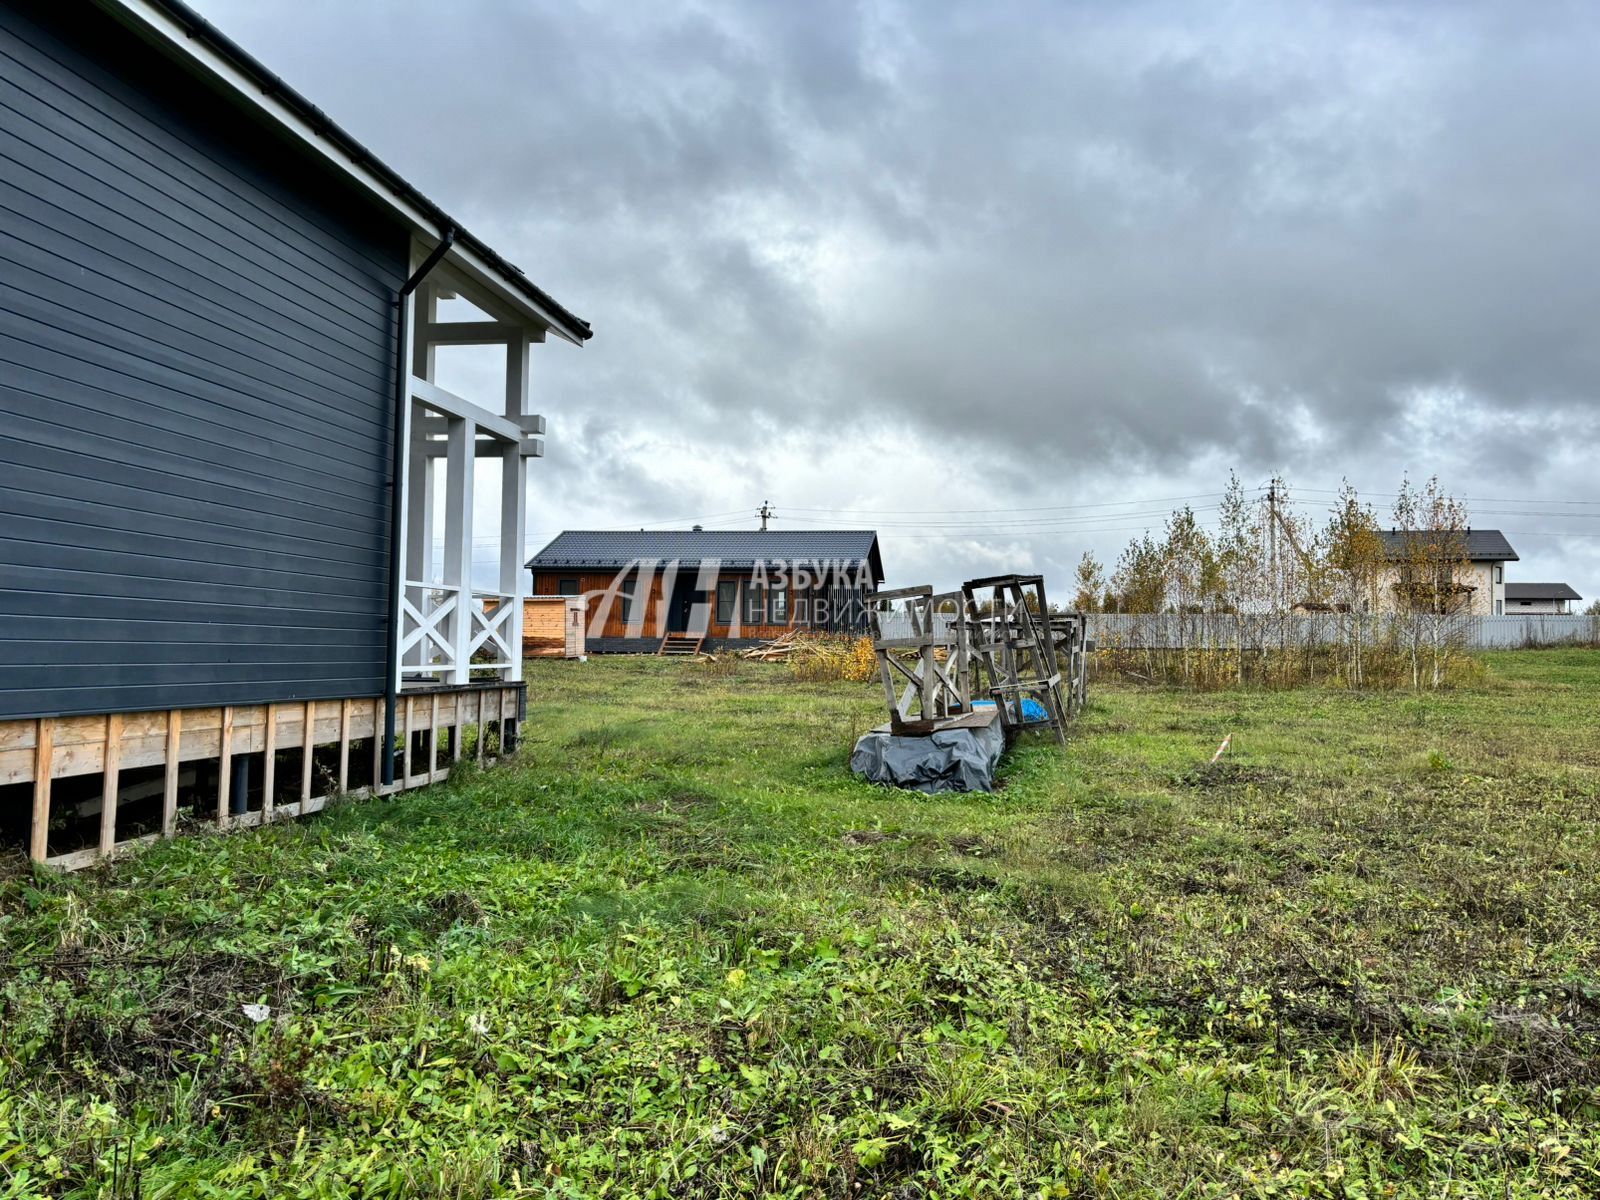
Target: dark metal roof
[(1481, 544), (203, 31), (613, 549), (1540, 591)]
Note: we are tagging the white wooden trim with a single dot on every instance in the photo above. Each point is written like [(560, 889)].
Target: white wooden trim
[(468, 333), (411, 555), (458, 544), (452, 405)]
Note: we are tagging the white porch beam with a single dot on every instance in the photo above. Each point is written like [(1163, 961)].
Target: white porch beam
[(529, 447), (474, 333), (452, 405)]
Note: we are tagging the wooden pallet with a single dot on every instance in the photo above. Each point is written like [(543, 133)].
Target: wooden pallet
[(682, 645)]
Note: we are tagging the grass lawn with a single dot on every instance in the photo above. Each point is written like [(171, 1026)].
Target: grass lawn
[(676, 950)]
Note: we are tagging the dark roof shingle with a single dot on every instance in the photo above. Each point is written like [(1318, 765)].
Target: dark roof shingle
[(613, 549), (1481, 544), (1540, 591)]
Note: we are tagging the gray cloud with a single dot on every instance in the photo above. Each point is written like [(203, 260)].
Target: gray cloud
[(1103, 251)]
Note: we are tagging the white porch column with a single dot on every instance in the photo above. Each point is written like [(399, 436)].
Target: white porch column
[(459, 459), (513, 522), (513, 502)]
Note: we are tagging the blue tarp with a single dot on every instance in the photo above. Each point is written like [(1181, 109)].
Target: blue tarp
[(1032, 710)]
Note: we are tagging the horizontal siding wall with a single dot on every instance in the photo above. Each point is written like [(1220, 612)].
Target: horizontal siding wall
[(655, 621), (196, 340)]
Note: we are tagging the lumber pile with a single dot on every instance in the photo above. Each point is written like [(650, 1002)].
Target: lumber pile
[(776, 649)]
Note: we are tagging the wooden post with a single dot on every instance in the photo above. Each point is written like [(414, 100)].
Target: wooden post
[(377, 746), (111, 770), (455, 730), (169, 794), (410, 723), (308, 737), (433, 734), (225, 767), (43, 753), (344, 746), (483, 729), (269, 771)]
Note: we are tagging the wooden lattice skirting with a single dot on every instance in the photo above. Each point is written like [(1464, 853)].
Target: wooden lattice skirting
[(44, 750)]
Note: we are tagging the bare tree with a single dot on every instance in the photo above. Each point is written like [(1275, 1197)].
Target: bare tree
[(1091, 580), (1353, 554), (1432, 568)]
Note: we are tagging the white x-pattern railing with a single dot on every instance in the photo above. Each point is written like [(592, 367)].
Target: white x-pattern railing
[(491, 627)]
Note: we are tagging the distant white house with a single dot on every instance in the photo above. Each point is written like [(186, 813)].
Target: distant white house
[(1539, 598), (1478, 558)]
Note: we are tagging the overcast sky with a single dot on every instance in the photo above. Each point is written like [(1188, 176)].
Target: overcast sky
[(959, 271)]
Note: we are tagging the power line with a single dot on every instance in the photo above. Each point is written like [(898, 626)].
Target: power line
[(891, 512)]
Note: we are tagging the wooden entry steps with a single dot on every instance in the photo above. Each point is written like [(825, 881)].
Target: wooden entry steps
[(681, 645), (41, 751)]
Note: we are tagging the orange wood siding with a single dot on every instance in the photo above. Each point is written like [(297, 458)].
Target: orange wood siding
[(548, 583)]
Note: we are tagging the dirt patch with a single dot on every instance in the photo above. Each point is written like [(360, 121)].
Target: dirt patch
[(864, 837), (133, 1018), (449, 909), (949, 879), (1222, 775), (969, 844), (678, 803)]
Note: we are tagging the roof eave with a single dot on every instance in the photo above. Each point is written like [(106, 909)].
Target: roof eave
[(183, 33)]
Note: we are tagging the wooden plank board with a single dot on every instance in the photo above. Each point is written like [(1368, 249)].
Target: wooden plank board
[(43, 751), (269, 763), (225, 768), (169, 792), (110, 783), (344, 746), (307, 744), (433, 733)]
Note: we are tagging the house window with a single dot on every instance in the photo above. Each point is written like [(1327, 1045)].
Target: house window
[(1499, 608), (755, 604), (567, 587), (625, 596), (800, 607), (1499, 573), (727, 600), (780, 606)]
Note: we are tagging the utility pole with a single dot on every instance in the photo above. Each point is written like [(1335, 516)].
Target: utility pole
[(766, 511), (1272, 539)]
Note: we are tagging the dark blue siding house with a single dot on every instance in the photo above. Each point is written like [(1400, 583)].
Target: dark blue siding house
[(219, 432)]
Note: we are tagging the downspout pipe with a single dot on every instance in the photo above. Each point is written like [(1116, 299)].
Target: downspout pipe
[(397, 583)]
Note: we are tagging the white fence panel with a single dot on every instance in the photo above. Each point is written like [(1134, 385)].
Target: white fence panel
[(1170, 631)]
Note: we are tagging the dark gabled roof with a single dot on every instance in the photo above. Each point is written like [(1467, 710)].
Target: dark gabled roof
[(1540, 591), (1481, 544), (198, 29), (613, 549)]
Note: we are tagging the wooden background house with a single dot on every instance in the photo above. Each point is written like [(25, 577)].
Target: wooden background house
[(730, 587), (217, 341)]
